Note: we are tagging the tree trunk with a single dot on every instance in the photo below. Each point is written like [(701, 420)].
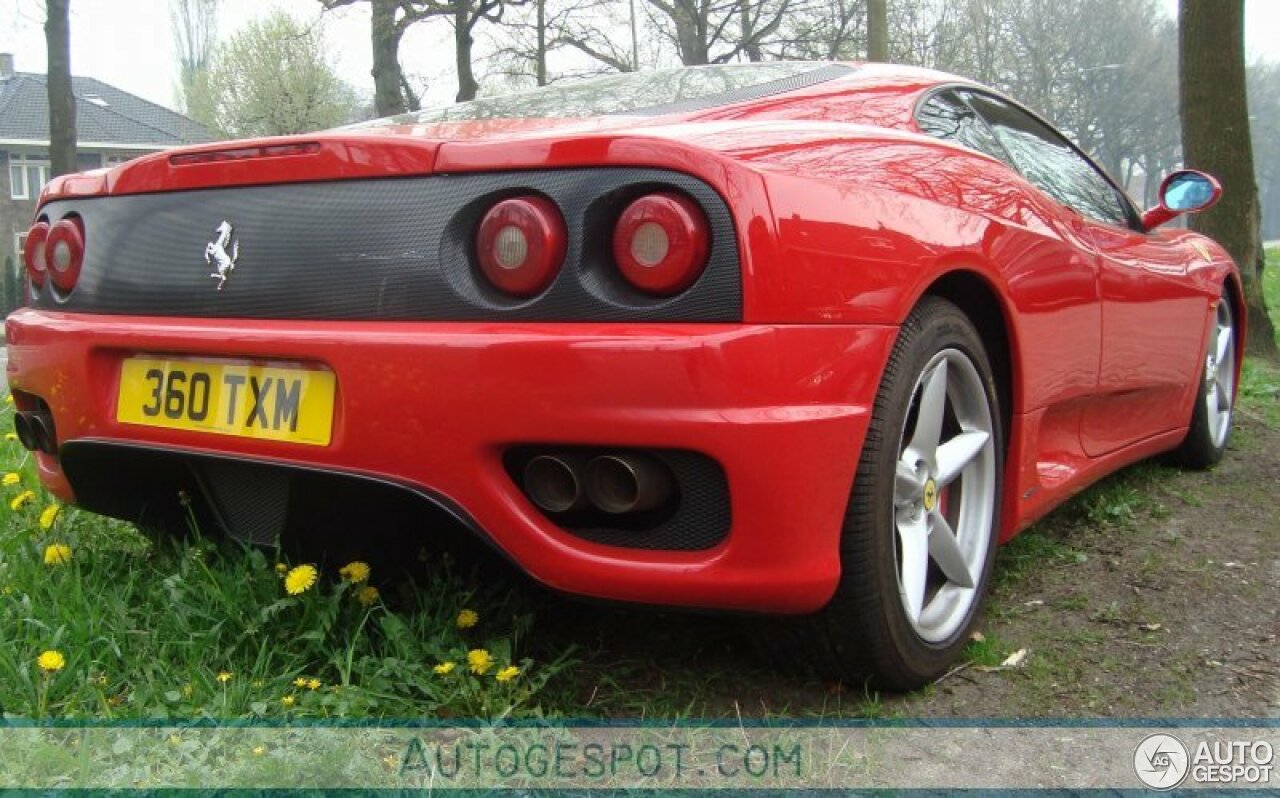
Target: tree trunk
[(462, 41), (750, 46), (387, 78), (540, 67), (877, 30), (62, 102), (690, 21), (1215, 138), (635, 40)]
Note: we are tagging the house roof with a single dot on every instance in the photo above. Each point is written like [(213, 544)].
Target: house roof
[(104, 114)]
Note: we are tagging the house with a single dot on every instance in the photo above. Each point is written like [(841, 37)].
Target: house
[(112, 126)]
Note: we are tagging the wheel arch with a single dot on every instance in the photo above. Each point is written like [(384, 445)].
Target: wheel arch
[(980, 301), (1234, 291)]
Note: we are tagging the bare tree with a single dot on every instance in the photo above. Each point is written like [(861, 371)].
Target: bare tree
[(717, 31), (467, 14), (62, 100), (530, 34), (1215, 137), (388, 21), (829, 30), (195, 32)]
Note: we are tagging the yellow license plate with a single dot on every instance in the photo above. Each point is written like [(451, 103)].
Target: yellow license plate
[(250, 401)]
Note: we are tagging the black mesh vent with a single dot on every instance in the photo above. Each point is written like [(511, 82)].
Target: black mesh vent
[(391, 249), (250, 501), (699, 518)]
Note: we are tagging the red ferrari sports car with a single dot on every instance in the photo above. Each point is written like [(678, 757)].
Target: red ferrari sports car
[(791, 339)]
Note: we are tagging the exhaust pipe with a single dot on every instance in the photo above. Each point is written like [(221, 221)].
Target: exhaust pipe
[(554, 482), (42, 428), (25, 430), (627, 483)]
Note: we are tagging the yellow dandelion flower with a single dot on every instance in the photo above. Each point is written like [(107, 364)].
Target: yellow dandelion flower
[(468, 619), (288, 700), (313, 684), (26, 497), (259, 750), (225, 676), (281, 568), (48, 516), (444, 668), (355, 572), (300, 579), (300, 682), (367, 595), (480, 661), (10, 479), (11, 436), (507, 674), (51, 661), (57, 554), (8, 398)]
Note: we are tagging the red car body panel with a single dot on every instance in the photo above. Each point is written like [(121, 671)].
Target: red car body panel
[(845, 216)]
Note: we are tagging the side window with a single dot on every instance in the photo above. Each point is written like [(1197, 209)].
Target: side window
[(1046, 159), (945, 116)]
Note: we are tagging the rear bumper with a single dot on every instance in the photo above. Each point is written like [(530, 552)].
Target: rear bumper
[(434, 406)]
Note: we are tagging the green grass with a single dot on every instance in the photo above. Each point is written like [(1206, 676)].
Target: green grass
[(190, 628)]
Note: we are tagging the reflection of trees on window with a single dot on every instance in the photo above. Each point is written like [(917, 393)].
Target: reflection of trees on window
[(947, 117), (614, 94), (1050, 163)]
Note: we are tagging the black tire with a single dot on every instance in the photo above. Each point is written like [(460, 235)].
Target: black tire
[(1199, 449), (864, 635)]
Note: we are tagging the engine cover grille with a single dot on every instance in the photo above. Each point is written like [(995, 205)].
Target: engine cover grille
[(390, 249)]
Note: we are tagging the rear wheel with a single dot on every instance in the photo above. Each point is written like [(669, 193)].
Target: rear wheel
[(1210, 429), (919, 533)]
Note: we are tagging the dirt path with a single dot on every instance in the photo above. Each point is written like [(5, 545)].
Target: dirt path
[(1172, 611), (1156, 594)]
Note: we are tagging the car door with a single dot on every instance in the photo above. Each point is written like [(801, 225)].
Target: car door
[(1149, 314), (1153, 331), (1050, 272)]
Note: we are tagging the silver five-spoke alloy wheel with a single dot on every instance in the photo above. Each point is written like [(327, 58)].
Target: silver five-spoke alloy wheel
[(944, 496), (1220, 375)]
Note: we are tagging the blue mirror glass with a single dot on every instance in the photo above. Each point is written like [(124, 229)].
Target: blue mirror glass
[(1188, 192)]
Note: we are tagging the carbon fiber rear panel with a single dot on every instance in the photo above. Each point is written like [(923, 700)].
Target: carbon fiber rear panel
[(392, 249)]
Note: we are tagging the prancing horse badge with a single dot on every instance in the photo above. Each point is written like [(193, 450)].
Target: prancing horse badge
[(217, 254)]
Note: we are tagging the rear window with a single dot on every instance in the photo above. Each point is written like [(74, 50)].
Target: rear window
[(636, 93)]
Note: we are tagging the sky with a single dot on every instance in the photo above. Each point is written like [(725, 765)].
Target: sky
[(128, 43)]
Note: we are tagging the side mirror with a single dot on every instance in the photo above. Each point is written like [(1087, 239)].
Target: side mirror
[(1184, 191)]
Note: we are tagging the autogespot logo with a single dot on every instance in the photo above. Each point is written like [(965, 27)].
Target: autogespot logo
[(1161, 761)]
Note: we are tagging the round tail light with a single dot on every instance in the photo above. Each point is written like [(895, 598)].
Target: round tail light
[(521, 245), (64, 252), (33, 253), (660, 243)]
